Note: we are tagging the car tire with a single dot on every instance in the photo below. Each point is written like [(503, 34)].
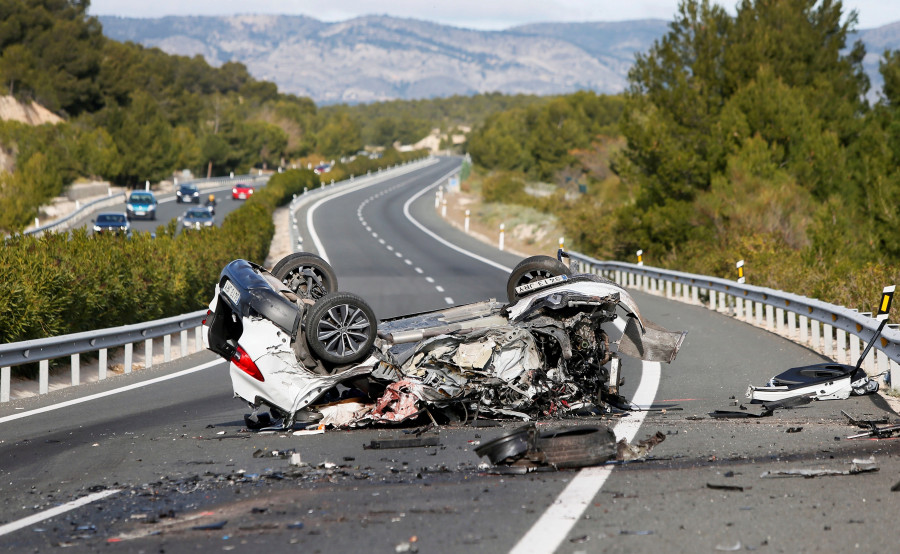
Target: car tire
[(531, 269), (306, 275), (340, 328)]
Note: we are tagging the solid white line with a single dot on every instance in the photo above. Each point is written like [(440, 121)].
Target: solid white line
[(112, 392), (441, 240), (555, 523), (47, 514)]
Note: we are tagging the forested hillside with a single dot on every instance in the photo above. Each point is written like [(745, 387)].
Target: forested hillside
[(745, 137)]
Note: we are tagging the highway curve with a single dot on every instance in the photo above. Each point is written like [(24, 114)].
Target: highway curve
[(187, 476)]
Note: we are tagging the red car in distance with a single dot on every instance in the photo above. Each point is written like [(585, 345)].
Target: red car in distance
[(241, 191)]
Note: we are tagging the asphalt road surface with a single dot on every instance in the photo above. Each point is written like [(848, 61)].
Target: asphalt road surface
[(182, 474)]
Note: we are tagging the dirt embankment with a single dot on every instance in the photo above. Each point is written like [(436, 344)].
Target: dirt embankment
[(31, 113)]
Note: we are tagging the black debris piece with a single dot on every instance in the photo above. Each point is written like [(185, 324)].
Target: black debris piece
[(416, 442), (717, 486), (794, 429), (211, 526)]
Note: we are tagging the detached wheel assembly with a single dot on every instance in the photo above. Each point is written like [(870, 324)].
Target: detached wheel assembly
[(535, 268), (340, 328), (306, 275)]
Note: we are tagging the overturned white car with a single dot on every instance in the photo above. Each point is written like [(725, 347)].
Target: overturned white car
[(306, 351)]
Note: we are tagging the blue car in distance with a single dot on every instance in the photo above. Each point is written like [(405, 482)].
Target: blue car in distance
[(141, 204)]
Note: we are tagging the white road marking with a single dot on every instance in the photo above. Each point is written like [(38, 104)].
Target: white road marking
[(448, 300), (429, 279), (407, 261), (112, 392), (419, 270), (439, 288), (398, 254), (381, 241), (47, 514), (391, 248)]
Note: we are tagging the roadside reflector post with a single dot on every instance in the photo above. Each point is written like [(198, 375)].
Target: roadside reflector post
[(37, 222), (444, 207), (562, 242), (466, 225), (740, 271), (232, 174), (146, 185), (502, 227), (437, 199), (640, 254)]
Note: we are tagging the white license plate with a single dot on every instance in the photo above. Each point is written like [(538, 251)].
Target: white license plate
[(242, 196), (534, 285), (140, 213), (231, 292)]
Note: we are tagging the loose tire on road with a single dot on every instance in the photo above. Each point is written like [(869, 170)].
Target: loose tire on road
[(340, 328), (306, 275), (581, 446), (531, 269)]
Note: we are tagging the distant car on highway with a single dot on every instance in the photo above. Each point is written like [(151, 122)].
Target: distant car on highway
[(141, 204), (322, 168), (187, 193), (112, 223), (241, 191), (197, 218)]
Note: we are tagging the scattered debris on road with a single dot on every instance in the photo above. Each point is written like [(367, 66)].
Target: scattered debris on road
[(857, 467)]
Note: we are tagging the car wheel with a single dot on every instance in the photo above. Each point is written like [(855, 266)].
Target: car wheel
[(340, 328), (531, 269), (306, 275)]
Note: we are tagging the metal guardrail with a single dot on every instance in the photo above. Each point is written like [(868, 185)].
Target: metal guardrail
[(834, 331), (78, 215), (73, 345)]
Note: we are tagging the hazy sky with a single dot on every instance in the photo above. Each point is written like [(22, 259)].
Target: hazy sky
[(476, 14)]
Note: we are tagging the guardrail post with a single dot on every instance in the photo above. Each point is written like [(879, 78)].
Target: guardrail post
[(828, 340), (198, 339), (882, 362), (840, 351), (101, 364), (739, 307), (804, 330), (854, 348), (779, 320), (183, 342), (148, 353), (894, 375), (770, 317), (758, 309), (129, 351), (668, 289), (44, 377), (167, 348), (4, 383), (712, 300), (791, 324), (815, 337), (695, 294), (76, 369)]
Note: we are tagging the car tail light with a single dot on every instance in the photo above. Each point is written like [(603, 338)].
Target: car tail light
[(245, 364), (208, 313)]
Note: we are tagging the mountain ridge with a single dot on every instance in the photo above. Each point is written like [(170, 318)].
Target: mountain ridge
[(378, 57)]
